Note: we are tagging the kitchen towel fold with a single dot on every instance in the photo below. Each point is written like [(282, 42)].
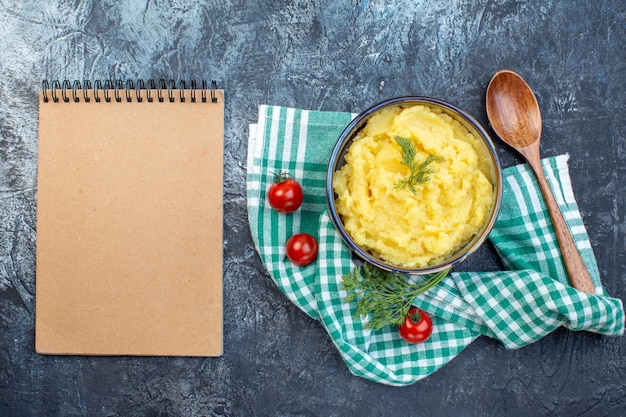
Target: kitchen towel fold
[(517, 306)]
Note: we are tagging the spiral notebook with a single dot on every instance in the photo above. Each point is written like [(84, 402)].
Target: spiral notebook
[(129, 219)]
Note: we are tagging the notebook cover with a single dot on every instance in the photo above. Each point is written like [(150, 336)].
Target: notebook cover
[(129, 228)]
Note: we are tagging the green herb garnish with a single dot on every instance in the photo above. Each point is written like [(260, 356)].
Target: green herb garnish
[(384, 295), (420, 171)]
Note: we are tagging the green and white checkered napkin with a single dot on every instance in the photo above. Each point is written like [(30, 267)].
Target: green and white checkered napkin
[(517, 306)]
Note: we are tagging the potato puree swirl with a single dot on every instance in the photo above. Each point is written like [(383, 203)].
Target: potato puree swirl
[(402, 228)]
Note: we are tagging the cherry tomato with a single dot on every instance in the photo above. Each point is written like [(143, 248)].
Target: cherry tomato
[(417, 326), (285, 194), (301, 249)]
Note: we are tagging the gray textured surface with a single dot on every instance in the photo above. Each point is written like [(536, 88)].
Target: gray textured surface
[(339, 55)]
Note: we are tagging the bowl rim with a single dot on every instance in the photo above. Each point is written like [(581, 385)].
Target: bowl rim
[(345, 139)]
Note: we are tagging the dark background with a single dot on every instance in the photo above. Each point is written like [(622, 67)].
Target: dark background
[(324, 55)]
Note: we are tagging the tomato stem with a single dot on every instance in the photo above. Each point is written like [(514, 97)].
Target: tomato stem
[(416, 316), (281, 177)]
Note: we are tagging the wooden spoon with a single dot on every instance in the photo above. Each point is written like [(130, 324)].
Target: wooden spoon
[(514, 115)]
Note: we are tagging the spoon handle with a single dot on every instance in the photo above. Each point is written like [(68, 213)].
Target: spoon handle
[(578, 273)]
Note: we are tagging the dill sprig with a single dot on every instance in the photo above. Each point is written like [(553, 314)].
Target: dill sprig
[(385, 296), (419, 171)]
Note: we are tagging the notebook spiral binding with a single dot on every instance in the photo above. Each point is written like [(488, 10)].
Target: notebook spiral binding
[(64, 90)]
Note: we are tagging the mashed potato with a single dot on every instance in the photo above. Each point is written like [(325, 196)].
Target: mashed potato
[(414, 229)]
